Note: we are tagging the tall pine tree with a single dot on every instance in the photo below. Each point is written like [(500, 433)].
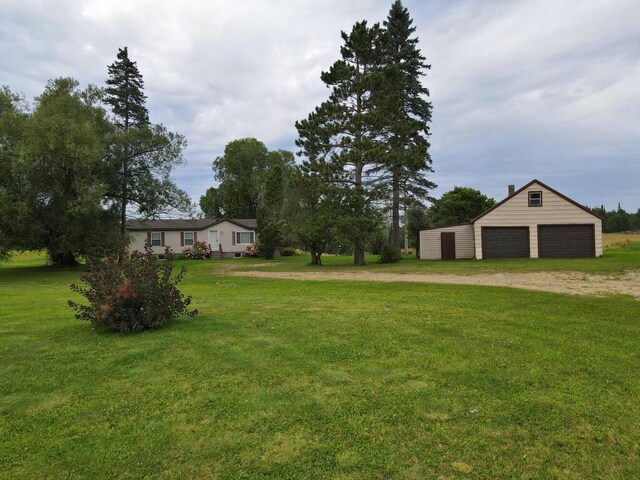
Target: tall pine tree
[(144, 154), (341, 137), (408, 113)]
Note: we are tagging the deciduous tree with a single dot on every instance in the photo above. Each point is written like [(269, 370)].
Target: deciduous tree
[(63, 167), (459, 205)]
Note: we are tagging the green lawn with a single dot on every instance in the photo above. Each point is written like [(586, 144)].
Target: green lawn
[(300, 379), (614, 261)]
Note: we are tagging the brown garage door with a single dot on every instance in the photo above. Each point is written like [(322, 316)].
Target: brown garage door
[(505, 242), (566, 241)]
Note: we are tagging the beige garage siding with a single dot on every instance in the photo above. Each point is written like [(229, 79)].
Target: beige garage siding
[(555, 210), (430, 246)]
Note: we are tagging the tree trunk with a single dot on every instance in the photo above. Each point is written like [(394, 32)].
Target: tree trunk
[(63, 259), (396, 238), (358, 254), (315, 260), (123, 204)]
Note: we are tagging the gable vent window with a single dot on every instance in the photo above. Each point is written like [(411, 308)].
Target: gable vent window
[(535, 199)]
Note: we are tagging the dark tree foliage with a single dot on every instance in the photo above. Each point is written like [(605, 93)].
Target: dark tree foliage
[(124, 92), (618, 220), (407, 111), (270, 225), (139, 293), (144, 155), (459, 205), (14, 211), (211, 203), (311, 208), (63, 172), (341, 138), (242, 172), (417, 220)]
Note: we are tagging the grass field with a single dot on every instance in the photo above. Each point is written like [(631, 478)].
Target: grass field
[(344, 380)]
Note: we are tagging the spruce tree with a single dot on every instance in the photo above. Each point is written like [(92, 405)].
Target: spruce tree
[(407, 112), (125, 96), (144, 154)]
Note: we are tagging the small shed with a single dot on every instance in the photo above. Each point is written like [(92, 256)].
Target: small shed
[(535, 221), (447, 243)]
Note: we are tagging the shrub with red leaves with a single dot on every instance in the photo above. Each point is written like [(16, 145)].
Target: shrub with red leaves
[(137, 294)]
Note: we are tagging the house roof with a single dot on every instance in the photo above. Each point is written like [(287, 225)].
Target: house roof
[(573, 202), (187, 224)]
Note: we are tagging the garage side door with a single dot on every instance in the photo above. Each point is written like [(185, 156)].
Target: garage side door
[(566, 241), (505, 242)]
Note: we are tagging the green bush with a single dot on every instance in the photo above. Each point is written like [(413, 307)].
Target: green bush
[(137, 294), (287, 251), (388, 254)]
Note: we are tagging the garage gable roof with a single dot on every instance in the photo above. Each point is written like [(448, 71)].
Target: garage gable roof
[(564, 197)]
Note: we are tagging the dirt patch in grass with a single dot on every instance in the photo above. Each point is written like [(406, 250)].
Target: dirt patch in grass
[(560, 282)]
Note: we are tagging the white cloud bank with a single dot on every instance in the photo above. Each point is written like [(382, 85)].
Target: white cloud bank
[(524, 89)]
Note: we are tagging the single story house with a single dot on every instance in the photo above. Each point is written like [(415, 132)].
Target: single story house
[(227, 238), (534, 222)]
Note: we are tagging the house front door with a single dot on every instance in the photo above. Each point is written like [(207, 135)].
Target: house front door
[(213, 240)]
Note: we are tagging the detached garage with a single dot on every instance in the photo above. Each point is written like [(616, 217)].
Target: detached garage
[(535, 221)]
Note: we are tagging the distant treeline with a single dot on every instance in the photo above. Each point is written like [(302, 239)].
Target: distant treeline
[(618, 220)]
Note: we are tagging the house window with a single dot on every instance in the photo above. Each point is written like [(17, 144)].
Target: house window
[(535, 199), (237, 255), (244, 237), (156, 239), (188, 239)]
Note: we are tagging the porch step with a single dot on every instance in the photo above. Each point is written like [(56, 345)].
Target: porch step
[(216, 255)]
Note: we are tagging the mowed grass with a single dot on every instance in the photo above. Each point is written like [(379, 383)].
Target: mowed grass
[(621, 254), (297, 379)]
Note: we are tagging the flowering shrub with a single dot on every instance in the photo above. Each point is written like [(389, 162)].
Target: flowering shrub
[(251, 251), (137, 294), (199, 251)]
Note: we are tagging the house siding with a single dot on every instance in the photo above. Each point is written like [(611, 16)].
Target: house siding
[(555, 210), (172, 238), (430, 246)]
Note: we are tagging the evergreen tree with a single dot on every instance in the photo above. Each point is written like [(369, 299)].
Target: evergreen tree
[(125, 92), (341, 138), (144, 154), (408, 113)]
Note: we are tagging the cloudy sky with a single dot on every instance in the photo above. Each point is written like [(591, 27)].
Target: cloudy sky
[(546, 89)]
